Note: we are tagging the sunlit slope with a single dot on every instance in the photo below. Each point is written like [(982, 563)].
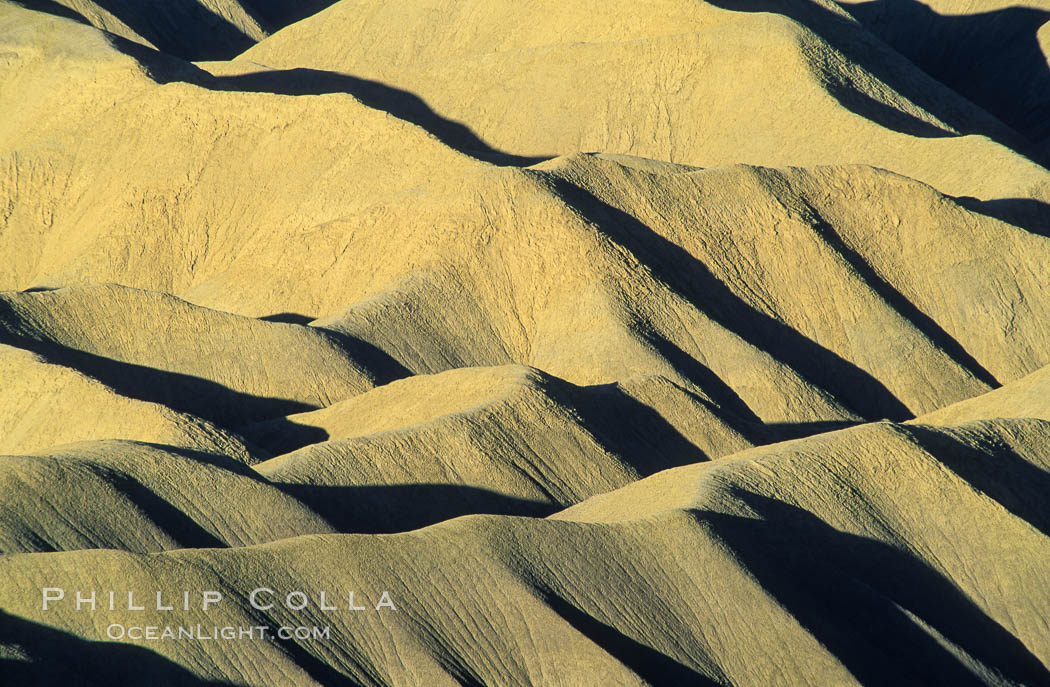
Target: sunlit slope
[(489, 440), (711, 277), (702, 83), (412, 260), (106, 175), (102, 184), (155, 347), (796, 289), (419, 400), (1027, 397), (140, 497), (506, 440), (848, 459), (43, 403), (872, 555)]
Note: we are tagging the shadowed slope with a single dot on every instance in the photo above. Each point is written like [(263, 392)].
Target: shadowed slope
[(36, 391), (155, 347), (840, 30), (799, 562), (484, 439), (671, 260), (997, 53), (1032, 215), (34, 655), (280, 13), (140, 497), (190, 29), (845, 460)]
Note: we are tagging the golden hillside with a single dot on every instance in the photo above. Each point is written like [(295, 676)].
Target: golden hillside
[(496, 343), (816, 561)]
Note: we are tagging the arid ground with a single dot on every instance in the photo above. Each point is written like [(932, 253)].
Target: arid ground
[(566, 343)]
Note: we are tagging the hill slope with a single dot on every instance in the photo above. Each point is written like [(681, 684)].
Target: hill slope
[(1027, 397), (422, 252), (488, 440), (140, 497), (502, 343), (155, 347), (701, 83), (36, 391), (800, 563), (996, 53)]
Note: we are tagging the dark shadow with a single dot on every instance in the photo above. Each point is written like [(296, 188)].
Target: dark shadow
[(174, 522), (282, 435), (896, 300), (168, 518), (402, 507), (38, 289), (161, 67), (691, 279), (628, 428), (186, 29), (320, 671), (288, 318), (860, 103), (61, 659), (888, 66), (992, 58), (701, 375), (990, 466), (647, 663), (402, 104), (1026, 213), (53, 8), (859, 597), (180, 527), (218, 460), (185, 393), (383, 367)]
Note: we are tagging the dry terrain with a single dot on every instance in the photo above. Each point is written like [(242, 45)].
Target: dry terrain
[(489, 342)]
